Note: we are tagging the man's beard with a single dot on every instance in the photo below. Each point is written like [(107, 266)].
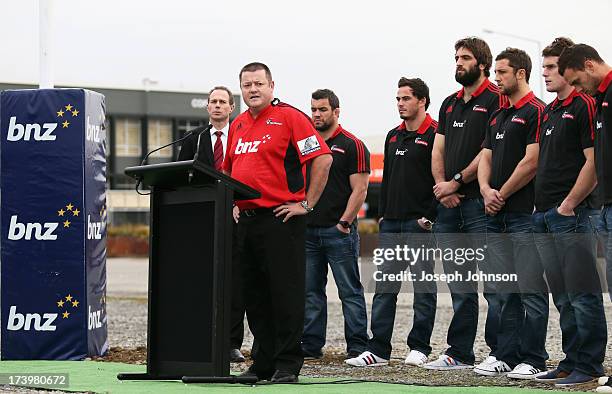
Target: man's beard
[(469, 77), (325, 126), (509, 90)]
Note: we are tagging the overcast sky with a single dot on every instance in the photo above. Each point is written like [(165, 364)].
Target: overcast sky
[(357, 48)]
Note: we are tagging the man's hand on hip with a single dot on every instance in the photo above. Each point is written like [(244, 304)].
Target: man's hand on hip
[(289, 209)]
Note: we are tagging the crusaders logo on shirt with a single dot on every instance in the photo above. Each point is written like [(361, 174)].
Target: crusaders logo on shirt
[(567, 115), (516, 119), (335, 148), (479, 108), (308, 145), (419, 141), (604, 104)]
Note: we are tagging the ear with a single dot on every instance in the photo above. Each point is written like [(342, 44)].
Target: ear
[(521, 74), (272, 85), (589, 66), (337, 112)]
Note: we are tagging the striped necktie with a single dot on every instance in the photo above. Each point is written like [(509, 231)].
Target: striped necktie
[(218, 151)]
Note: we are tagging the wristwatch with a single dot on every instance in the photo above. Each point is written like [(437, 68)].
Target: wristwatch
[(458, 177), (304, 205), (344, 224)]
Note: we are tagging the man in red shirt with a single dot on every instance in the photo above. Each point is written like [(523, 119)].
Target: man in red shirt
[(268, 148)]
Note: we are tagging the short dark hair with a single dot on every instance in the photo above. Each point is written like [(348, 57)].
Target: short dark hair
[(419, 88), (574, 57), (517, 58), (557, 46), (254, 66), (480, 49), (328, 94), (229, 93)]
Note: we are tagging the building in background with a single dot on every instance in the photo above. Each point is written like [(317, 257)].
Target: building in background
[(138, 121)]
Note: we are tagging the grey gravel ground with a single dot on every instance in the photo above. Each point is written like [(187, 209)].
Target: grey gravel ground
[(127, 317)]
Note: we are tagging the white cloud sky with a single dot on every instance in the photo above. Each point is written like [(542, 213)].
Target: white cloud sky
[(357, 48)]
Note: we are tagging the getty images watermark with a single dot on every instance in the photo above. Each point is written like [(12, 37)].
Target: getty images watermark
[(402, 263)]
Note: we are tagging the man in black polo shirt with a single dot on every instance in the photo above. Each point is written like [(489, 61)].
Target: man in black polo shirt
[(583, 68), (331, 235), (505, 173), (463, 122), (407, 208)]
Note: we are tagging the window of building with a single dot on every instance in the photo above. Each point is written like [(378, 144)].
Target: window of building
[(159, 134), (127, 137), (185, 125)]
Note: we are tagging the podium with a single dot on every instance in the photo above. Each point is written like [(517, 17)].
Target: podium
[(190, 255)]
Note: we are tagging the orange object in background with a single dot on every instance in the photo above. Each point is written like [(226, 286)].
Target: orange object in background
[(376, 167)]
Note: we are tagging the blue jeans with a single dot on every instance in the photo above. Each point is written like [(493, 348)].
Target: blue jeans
[(385, 299), (521, 335), (451, 227), (604, 229), (327, 245), (567, 250)]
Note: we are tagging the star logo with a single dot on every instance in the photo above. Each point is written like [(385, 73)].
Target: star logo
[(66, 223), (68, 107), (65, 315), (60, 303), (60, 113), (75, 212), (61, 212), (65, 124), (75, 113)]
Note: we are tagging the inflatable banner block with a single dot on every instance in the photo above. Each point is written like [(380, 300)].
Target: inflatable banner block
[(53, 221)]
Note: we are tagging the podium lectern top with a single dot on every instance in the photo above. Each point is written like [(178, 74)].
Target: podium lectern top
[(177, 174)]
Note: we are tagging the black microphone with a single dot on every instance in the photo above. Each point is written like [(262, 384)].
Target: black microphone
[(189, 133), (197, 151)]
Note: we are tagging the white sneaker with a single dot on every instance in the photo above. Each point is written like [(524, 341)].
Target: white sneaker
[(446, 363), (366, 359), (604, 385), (489, 360), (524, 371), (497, 368), (415, 358)]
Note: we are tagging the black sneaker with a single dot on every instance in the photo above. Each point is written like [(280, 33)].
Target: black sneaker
[(250, 373), (236, 356), (551, 376), (283, 377), (312, 356)]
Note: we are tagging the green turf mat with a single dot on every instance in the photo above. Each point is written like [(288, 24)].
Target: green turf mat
[(100, 377)]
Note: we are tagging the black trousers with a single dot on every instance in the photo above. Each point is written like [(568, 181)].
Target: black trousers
[(272, 259), (237, 308)]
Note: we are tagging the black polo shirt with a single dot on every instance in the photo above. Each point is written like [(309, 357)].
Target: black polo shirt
[(510, 130), (350, 157), (567, 129), (407, 184), (603, 139), (463, 126)]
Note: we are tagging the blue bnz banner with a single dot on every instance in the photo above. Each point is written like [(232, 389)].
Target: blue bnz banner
[(53, 221)]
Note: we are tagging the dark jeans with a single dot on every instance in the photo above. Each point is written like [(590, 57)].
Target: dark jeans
[(567, 250), (385, 299), (455, 228), (604, 229), (327, 245), (523, 320), (272, 258)]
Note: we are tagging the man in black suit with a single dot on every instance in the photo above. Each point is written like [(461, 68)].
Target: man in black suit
[(212, 149)]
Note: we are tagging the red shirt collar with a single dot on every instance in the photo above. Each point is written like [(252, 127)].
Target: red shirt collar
[(338, 130), (603, 86), (262, 113), (478, 91), (422, 128), (568, 100), (521, 102)]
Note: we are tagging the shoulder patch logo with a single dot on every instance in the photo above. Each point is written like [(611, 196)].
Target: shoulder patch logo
[(449, 109), (393, 139), (308, 145), (493, 122)]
